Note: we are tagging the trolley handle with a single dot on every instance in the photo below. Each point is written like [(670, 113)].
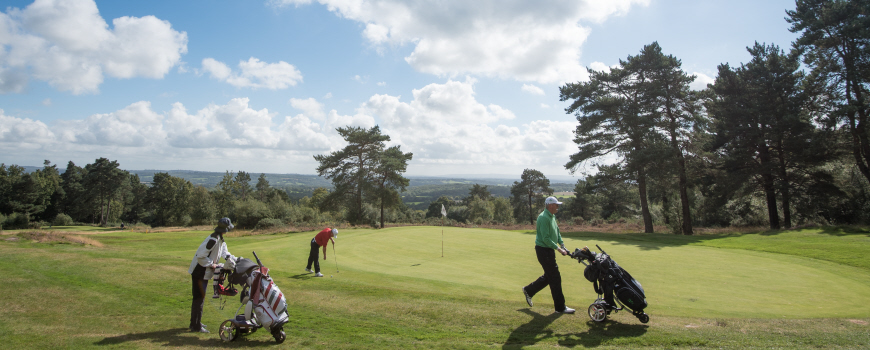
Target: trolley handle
[(258, 259), (599, 248)]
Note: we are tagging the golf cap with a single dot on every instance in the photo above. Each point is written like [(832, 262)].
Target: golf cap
[(225, 224), (335, 232), (551, 200)]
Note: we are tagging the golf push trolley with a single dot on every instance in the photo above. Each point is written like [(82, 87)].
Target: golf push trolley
[(608, 278), (264, 304)]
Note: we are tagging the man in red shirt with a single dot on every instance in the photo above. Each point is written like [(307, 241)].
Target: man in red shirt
[(320, 240)]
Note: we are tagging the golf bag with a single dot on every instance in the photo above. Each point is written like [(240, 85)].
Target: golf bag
[(609, 279), (264, 304), (221, 273)]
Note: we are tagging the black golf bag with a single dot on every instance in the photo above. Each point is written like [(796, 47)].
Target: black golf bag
[(609, 279)]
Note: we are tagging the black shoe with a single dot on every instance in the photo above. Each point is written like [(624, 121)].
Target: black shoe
[(528, 298)]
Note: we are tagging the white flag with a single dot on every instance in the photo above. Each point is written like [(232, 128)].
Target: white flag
[(443, 211)]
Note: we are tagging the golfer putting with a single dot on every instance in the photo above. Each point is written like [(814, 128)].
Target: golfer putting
[(548, 240), (322, 239)]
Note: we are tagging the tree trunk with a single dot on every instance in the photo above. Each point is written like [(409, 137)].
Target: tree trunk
[(644, 205), (382, 213), (102, 214), (860, 140), (684, 196), (665, 204), (531, 213), (784, 189), (768, 186), (686, 225)]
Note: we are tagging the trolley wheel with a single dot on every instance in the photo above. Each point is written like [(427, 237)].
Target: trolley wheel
[(228, 331), (597, 312), (644, 318), (279, 335)]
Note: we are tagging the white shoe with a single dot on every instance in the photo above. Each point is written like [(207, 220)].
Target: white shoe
[(308, 270), (567, 310), (528, 298), (318, 274)]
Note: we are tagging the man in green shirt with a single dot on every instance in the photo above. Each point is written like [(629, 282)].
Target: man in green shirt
[(547, 241)]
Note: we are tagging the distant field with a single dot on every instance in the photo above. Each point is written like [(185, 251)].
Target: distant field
[(790, 289)]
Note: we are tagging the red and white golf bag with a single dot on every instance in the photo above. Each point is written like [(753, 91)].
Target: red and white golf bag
[(266, 300)]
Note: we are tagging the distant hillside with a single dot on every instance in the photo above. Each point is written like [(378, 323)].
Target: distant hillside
[(420, 192)]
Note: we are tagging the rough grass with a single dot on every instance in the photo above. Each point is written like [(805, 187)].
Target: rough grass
[(41, 236), (134, 292)]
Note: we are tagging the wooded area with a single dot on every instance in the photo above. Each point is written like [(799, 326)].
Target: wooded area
[(765, 144)]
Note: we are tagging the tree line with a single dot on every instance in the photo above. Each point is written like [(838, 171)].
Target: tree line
[(766, 143)]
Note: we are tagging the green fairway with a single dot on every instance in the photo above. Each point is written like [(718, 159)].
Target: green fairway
[(395, 289)]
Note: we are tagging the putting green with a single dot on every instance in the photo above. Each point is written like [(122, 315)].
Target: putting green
[(681, 280)]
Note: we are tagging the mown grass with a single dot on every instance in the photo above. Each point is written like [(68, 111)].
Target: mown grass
[(395, 291)]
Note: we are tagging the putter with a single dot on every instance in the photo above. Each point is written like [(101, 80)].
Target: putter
[(335, 256)]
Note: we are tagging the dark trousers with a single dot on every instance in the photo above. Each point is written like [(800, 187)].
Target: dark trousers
[(313, 258), (199, 286), (551, 277)]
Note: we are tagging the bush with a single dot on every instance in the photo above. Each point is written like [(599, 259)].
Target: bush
[(16, 221), (269, 223), (62, 220), (249, 212), (185, 220)]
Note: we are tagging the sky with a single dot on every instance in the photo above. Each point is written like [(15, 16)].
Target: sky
[(468, 87)]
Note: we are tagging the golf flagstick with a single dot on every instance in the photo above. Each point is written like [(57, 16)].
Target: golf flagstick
[(335, 256), (443, 215)]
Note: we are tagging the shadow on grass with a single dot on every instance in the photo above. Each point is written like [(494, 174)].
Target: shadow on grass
[(302, 276), (536, 330), (600, 332), (178, 337), (845, 231), (531, 332)]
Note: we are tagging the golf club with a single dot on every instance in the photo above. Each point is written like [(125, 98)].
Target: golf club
[(335, 256)]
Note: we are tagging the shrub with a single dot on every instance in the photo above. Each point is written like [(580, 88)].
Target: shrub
[(62, 220), (249, 212), (16, 221), (269, 223)]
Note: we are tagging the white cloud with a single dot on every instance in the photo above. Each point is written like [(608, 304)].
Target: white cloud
[(134, 126), (527, 41), (701, 81), (46, 102), (233, 135), (254, 74), (532, 89), (23, 131), (599, 67), (382, 83), (69, 45), (217, 69), (327, 96), (447, 128), (309, 106), (545, 106)]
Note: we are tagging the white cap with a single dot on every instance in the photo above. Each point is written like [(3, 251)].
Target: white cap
[(335, 232), (551, 200)]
